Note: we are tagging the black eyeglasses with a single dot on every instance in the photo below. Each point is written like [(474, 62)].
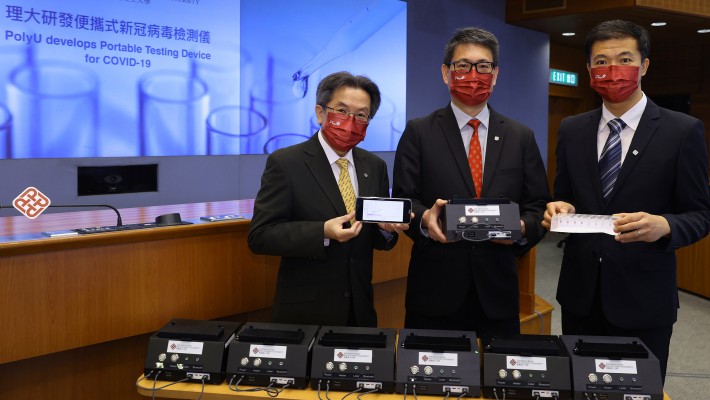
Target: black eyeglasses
[(344, 114), (485, 67)]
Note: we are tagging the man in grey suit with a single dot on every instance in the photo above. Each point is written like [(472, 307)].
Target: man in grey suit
[(649, 166), (305, 206), (467, 150)]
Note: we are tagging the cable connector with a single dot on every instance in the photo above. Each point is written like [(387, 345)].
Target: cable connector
[(369, 385)]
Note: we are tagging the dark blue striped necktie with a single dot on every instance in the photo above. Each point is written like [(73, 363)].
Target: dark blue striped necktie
[(610, 160)]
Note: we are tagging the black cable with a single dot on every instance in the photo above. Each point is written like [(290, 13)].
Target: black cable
[(202, 391), (354, 391), (414, 392), (236, 386), (368, 392), (448, 392), (144, 377), (464, 392), (542, 322), (319, 381), (270, 390), (155, 380)]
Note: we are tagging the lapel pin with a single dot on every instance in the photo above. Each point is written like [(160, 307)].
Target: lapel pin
[(365, 174), (495, 138), (636, 152)]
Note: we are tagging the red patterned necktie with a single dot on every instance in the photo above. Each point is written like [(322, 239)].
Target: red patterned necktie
[(475, 158)]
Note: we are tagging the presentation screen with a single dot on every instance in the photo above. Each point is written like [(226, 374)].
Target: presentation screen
[(124, 78)]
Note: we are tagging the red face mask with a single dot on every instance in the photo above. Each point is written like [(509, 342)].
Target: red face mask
[(342, 132), (470, 88), (615, 83)]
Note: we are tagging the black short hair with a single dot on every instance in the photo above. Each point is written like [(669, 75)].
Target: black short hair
[(618, 29), (472, 35), (326, 88)]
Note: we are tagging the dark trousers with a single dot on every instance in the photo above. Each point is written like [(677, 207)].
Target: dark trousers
[(595, 324), (469, 317)]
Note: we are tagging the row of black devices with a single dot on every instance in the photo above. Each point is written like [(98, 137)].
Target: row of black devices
[(417, 361)]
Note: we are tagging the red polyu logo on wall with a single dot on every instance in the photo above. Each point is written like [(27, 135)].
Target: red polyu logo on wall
[(31, 202)]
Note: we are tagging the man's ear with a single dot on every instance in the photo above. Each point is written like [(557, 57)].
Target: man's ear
[(319, 114), (445, 73), (644, 66)]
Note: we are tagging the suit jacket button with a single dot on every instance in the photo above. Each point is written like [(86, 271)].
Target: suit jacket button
[(346, 294), (353, 261)]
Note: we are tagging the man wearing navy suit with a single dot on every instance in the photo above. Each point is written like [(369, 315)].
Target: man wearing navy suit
[(644, 164), (305, 206), (467, 150)]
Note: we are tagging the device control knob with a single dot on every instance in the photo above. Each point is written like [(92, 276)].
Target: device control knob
[(606, 378), (502, 373), (245, 360), (342, 366), (162, 357), (414, 369), (516, 374), (257, 362), (174, 358), (593, 378), (329, 365), (428, 370)]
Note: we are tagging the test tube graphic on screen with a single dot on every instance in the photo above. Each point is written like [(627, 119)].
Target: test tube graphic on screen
[(231, 128), (272, 98), (173, 107), (5, 132), (349, 37), (12, 56), (54, 108)]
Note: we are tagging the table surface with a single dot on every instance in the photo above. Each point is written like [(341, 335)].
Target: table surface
[(15, 227), (221, 392)]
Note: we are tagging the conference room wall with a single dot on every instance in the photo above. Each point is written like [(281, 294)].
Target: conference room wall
[(521, 93)]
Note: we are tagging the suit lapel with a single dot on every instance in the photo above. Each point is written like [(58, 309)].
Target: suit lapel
[(318, 164), (494, 146), (645, 130), (451, 132), (364, 175)]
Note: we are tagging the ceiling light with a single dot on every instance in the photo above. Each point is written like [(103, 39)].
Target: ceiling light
[(658, 24), (703, 30), (568, 34)]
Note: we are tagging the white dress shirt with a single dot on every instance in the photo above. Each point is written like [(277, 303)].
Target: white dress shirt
[(631, 118)]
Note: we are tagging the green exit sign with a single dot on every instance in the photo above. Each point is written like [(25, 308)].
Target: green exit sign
[(563, 77)]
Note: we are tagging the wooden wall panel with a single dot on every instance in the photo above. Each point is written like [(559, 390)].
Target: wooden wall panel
[(693, 272), (699, 7)]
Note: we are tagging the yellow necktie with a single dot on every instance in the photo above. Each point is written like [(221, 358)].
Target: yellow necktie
[(345, 185)]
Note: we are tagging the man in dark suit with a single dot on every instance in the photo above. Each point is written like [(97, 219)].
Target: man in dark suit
[(467, 285), (304, 209), (648, 166)]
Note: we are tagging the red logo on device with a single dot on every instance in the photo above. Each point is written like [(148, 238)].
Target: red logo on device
[(31, 203)]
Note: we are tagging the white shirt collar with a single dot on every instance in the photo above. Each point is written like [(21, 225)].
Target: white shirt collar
[(462, 118), (631, 117)]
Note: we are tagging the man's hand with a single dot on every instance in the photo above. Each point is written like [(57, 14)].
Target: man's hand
[(390, 227), (640, 227), (333, 228), (431, 221), (554, 208)]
